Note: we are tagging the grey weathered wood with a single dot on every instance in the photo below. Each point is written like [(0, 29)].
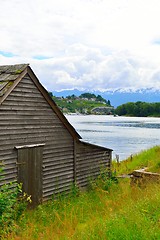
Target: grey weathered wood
[(30, 171), (29, 119), (90, 160), (30, 146), (27, 125)]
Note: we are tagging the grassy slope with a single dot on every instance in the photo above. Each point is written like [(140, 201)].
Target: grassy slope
[(112, 211), (149, 158)]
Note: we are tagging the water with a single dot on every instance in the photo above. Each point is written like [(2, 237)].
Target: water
[(125, 135)]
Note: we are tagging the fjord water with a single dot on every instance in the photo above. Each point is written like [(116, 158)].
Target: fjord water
[(125, 135)]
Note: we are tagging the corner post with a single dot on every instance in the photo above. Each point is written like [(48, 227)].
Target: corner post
[(74, 161)]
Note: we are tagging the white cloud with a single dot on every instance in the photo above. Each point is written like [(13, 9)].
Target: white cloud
[(99, 71), (95, 44)]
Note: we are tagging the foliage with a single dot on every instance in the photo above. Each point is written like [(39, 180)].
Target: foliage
[(78, 106), (51, 94), (139, 109), (146, 159), (123, 213), (71, 97), (111, 210), (87, 95), (104, 181), (13, 202), (97, 98), (82, 104)]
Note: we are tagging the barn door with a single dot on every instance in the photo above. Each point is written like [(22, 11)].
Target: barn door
[(30, 171)]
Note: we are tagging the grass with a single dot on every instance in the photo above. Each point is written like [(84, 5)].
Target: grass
[(119, 211), (149, 159)]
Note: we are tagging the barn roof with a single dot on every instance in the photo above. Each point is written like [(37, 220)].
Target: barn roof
[(11, 75), (8, 74)]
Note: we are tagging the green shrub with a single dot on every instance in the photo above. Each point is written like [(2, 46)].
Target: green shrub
[(12, 204), (104, 181)]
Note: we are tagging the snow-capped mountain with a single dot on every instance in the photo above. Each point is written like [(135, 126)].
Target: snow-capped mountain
[(118, 96)]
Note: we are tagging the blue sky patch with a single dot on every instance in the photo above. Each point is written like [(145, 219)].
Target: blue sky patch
[(7, 54), (156, 41), (41, 57)]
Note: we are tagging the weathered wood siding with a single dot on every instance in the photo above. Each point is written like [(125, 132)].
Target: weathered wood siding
[(90, 160), (26, 118)]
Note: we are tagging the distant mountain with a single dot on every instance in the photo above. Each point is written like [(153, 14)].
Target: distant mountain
[(118, 96)]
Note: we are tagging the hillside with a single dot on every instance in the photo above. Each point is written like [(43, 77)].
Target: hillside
[(119, 96), (86, 103), (89, 103)]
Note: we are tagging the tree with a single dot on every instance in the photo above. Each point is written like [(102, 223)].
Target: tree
[(51, 94), (139, 109), (71, 97), (121, 110), (109, 103), (87, 95)]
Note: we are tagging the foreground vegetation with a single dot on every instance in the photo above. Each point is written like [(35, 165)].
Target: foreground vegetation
[(149, 159), (110, 209)]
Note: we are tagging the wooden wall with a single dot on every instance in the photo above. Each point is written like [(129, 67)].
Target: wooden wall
[(26, 118), (90, 160)]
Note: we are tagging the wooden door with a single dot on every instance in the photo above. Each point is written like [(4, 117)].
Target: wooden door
[(30, 172)]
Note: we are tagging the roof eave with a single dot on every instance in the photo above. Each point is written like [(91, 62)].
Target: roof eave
[(94, 145)]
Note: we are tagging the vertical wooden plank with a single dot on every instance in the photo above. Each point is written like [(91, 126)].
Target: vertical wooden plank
[(22, 163), (30, 172), (74, 161), (38, 173)]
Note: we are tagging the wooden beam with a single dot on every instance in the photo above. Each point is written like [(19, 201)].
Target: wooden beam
[(30, 146)]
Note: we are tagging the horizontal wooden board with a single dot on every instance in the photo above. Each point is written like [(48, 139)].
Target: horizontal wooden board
[(27, 118)]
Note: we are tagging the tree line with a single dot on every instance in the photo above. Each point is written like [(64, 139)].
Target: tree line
[(90, 96), (139, 109)]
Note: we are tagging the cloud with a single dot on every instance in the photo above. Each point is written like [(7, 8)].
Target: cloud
[(94, 44), (155, 78), (89, 68)]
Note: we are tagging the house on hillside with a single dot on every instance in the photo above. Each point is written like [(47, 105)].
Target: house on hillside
[(38, 146)]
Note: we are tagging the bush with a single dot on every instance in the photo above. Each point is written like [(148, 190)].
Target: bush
[(104, 181), (12, 204)]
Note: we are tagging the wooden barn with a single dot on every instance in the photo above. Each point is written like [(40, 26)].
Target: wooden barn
[(38, 146)]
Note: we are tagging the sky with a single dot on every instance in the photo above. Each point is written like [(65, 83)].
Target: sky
[(84, 44)]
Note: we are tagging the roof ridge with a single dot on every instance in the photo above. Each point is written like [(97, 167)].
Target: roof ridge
[(12, 68)]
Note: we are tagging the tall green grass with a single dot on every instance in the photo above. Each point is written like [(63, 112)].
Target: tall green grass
[(109, 210), (122, 213), (149, 159)]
